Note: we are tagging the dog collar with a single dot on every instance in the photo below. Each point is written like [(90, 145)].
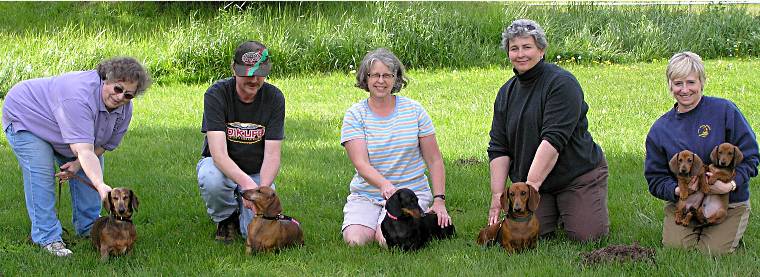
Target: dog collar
[(391, 216), (522, 219), (279, 217), (121, 218)]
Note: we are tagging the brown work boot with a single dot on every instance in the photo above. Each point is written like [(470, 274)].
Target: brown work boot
[(228, 229)]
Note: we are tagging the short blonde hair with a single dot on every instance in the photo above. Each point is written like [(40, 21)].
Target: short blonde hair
[(683, 64)]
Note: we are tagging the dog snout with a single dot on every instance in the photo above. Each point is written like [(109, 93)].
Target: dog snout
[(517, 207)]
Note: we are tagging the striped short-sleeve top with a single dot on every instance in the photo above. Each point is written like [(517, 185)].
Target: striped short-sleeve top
[(392, 143)]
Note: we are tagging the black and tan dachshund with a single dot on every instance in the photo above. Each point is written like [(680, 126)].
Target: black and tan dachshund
[(115, 234), (406, 226)]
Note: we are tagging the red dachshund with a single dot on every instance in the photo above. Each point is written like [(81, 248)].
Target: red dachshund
[(725, 157), (270, 230), (686, 165), (519, 229)]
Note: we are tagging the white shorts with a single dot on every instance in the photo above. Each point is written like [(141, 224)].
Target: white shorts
[(361, 210)]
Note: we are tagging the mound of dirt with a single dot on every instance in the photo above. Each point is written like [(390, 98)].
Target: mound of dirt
[(619, 253)]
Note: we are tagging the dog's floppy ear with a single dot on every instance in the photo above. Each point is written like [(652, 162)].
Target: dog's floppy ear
[(673, 164), (275, 208), (714, 155), (738, 156), (107, 203), (393, 204), (504, 200), (133, 202), (696, 164), (533, 199)]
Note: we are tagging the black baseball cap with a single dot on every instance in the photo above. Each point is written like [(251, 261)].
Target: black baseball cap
[(252, 59)]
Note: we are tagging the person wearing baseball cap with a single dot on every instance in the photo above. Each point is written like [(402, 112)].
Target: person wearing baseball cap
[(243, 119)]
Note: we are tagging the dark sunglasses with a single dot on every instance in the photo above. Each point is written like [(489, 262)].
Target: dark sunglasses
[(127, 94)]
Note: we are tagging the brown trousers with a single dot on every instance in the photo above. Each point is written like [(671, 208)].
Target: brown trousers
[(714, 240), (581, 207)]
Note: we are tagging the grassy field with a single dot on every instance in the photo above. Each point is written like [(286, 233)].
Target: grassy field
[(158, 156)]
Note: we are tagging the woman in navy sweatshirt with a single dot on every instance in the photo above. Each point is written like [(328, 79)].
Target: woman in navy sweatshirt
[(699, 123), (539, 135)]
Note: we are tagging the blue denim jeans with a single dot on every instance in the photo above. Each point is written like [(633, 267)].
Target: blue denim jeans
[(37, 161), (221, 194)]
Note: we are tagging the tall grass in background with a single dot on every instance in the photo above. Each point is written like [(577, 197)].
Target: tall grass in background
[(193, 42)]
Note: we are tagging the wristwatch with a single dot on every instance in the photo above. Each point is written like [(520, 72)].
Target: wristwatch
[(443, 197), (733, 186)]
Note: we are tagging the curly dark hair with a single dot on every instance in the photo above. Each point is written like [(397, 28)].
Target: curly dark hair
[(125, 69)]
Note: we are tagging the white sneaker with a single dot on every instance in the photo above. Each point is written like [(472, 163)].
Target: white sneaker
[(58, 248)]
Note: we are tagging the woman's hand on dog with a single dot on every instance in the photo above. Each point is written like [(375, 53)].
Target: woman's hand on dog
[(387, 190), (103, 190), (495, 211), (720, 187), (439, 208)]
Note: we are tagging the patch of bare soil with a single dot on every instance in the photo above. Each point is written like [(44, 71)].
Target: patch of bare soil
[(619, 253)]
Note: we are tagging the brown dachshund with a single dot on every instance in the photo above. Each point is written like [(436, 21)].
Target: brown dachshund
[(115, 234), (519, 229), (686, 165), (270, 230), (725, 157)]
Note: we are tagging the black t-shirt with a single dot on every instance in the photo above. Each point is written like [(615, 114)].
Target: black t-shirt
[(247, 125)]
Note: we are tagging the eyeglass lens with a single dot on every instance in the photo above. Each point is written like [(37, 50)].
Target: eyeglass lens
[(119, 90)]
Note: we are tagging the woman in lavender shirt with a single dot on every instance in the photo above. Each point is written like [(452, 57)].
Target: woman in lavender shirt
[(69, 120)]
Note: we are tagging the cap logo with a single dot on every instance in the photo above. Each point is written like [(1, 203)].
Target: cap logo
[(251, 58)]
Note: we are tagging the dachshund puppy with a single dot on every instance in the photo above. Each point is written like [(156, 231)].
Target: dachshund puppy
[(406, 226), (270, 230), (115, 234), (725, 157), (519, 229), (686, 165)]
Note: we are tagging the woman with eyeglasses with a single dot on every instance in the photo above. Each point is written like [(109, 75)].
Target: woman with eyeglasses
[(391, 141), (69, 120), (539, 135)]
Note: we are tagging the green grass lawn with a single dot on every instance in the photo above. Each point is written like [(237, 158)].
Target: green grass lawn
[(158, 156)]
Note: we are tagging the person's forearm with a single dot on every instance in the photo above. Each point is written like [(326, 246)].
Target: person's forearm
[(499, 169), (438, 177), (232, 171), (543, 163), (269, 170), (90, 163)]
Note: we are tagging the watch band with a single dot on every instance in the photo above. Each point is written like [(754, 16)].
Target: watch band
[(443, 197)]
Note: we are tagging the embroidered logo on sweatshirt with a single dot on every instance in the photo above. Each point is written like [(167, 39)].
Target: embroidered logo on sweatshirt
[(704, 130)]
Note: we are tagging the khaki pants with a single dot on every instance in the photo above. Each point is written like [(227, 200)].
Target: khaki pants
[(581, 207), (715, 240)]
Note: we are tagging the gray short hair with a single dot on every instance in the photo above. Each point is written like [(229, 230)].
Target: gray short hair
[(390, 60), (684, 63), (126, 69), (523, 28)]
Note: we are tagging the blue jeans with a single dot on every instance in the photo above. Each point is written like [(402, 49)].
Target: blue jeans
[(221, 194), (37, 161)]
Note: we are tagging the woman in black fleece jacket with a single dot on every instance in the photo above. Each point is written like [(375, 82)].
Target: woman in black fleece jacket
[(539, 135)]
